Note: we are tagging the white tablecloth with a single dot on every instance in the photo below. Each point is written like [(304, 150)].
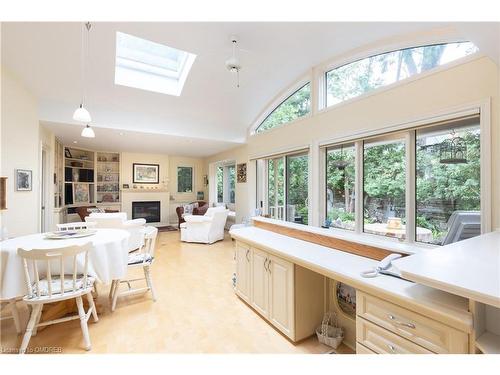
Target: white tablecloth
[(108, 257)]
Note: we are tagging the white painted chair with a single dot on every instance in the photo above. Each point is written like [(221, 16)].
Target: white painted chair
[(118, 220), (80, 225), (143, 258), (56, 285), (208, 228), (11, 305)]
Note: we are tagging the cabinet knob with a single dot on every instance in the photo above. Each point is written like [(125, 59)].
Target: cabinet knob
[(269, 266), (248, 252)]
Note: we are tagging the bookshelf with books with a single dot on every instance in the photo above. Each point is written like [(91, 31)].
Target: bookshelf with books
[(78, 177), (107, 178)]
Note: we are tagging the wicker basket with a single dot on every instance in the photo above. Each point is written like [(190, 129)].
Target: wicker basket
[(328, 332)]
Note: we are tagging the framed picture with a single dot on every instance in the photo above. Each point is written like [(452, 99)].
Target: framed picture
[(24, 180), (241, 173), (146, 173), (81, 193), (67, 153), (345, 299)]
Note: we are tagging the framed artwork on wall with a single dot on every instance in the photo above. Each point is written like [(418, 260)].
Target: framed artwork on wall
[(24, 180), (146, 173), (81, 193), (241, 172)]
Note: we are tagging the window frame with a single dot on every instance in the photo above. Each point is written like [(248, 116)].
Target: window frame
[(323, 69), (265, 176), (480, 109), (279, 100), (192, 179)]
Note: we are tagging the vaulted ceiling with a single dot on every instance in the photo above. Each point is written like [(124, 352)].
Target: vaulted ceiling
[(212, 114)]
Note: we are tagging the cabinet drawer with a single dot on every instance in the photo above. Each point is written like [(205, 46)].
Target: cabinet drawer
[(382, 341), (361, 349), (424, 331)]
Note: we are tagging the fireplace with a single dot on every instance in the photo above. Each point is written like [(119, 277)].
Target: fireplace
[(147, 210)]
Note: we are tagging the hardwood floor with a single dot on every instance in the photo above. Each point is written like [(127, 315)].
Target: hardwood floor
[(196, 312)]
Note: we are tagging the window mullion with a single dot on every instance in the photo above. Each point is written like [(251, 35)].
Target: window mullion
[(410, 203), (358, 173)]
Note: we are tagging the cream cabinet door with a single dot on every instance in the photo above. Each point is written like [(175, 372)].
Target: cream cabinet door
[(281, 309), (243, 269), (260, 282)]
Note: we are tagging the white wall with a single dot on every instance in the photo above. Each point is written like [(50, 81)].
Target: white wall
[(20, 143), (459, 85)]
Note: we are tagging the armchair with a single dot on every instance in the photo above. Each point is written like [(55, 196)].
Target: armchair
[(208, 228), (200, 209), (119, 220)]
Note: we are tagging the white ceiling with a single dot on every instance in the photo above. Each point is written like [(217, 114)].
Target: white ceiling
[(211, 112)]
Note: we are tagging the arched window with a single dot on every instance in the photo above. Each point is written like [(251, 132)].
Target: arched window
[(296, 105), (365, 75)]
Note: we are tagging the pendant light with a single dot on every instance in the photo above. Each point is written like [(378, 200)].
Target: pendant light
[(81, 114), (88, 132)]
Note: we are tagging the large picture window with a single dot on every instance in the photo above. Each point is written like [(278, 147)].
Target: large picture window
[(448, 182), (340, 194), (417, 185), (296, 105), (368, 74)]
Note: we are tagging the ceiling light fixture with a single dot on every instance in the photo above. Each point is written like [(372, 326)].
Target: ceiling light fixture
[(81, 114), (88, 132), (233, 64)]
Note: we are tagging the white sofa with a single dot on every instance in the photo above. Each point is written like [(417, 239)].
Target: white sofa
[(118, 220), (208, 228)]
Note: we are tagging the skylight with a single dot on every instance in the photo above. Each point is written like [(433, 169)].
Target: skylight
[(150, 66)]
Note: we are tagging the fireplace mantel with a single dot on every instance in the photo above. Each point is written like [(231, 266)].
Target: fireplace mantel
[(144, 191), (141, 195)]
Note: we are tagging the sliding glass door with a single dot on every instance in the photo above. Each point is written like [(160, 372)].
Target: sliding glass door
[(297, 188), (287, 188), (276, 188)]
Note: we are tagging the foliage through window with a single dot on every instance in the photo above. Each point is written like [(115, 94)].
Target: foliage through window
[(184, 179), (231, 176), (448, 185), (220, 184), (365, 75), (340, 199), (296, 105), (384, 187)]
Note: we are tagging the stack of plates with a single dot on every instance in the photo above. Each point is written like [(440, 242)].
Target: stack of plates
[(67, 234)]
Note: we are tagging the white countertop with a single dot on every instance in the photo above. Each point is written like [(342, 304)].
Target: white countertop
[(386, 243), (469, 268), (346, 267)]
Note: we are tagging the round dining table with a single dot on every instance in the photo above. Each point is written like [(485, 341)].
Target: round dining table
[(108, 257)]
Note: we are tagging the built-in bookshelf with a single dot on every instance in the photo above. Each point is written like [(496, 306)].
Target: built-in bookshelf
[(108, 177), (79, 184), (58, 174)]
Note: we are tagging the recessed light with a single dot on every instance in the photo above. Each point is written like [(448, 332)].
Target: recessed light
[(75, 141), (121, 133)]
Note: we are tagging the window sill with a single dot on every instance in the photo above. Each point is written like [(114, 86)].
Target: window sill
[(386, 243)]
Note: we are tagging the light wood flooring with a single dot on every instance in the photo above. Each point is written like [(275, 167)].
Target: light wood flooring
[(196, 312)]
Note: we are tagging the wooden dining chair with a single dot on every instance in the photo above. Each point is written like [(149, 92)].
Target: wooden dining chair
[(56, 285), (144, 258), (81, 225)]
